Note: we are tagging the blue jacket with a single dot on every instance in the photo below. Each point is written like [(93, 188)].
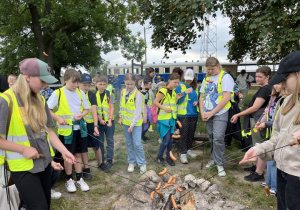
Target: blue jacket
[(191, 110)]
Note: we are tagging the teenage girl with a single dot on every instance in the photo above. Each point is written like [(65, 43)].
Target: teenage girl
[(165, 101), (26, 135), (131, 117), (285, 130)]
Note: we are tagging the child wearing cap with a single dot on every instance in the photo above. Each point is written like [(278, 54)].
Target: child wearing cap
[(105, 107), (216, 92), (91, 120), (286, 130), (72, 107), (26, 135), (187, 113)]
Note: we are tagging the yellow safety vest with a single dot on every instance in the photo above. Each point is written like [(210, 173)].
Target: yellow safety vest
[(17, 134), (183, 106), (168, 102), (64, 112), (103, 107), (2, 152), (220, 90), (128, 108), (268, 130), (246, 134), (89, 117), (149, 102)]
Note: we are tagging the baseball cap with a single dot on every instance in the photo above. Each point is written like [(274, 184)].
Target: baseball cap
[(289, 64), (85, 78), (189, 74), (158, 77), (37, 68)]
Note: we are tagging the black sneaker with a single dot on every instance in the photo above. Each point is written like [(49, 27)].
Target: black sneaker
[(160, 161), (109, 164), (250, 169), (103, 167), (254, 177), (145, 138), (87, 173), (170, 161)]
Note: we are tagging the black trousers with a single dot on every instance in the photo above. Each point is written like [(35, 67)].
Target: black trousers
[(288, 191), (34, 189), (187, 133)]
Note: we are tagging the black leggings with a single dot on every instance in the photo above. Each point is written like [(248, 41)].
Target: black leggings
[(34, 189), (187, 133)]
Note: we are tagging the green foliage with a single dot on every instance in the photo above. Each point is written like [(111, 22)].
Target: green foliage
[(263, 30), (71, 32)]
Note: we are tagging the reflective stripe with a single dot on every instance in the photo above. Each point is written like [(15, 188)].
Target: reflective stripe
[(168, 104), (181, 108), (3, 136), (127, 118), (98, 108), (19, 139), (105, 109), (231, 98), (14, 155), (64, 126), (164, 112), (66, 116), (127, 110), (89, 117), (2, 152), (105, 115)]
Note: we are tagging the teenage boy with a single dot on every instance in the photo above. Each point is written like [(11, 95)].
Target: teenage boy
[(72, 107), (148, 101), (91, 120), (105, 102)]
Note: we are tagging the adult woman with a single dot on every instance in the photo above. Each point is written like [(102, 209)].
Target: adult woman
[(216, 91), (256, 108), (187, 113), (29, 133)]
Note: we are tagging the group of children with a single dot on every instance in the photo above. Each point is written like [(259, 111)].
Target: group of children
[(84, 119)]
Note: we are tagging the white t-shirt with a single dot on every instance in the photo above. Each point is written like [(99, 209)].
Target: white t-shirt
[(210, 100), (73, 100)]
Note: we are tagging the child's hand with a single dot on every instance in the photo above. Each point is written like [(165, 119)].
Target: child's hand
[(178, 96), (189, 90), (109, 124), (259, 126), (207, 116), (30, 153), (120, 121), (62, 121), (195, 103), (234, 119), (96, 131), (296, 137), (130, 129), (249, 156), (168, 110), (56, 166), (78, 117), (102, 122)]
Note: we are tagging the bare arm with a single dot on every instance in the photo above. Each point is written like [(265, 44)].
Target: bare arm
[(256, 105)]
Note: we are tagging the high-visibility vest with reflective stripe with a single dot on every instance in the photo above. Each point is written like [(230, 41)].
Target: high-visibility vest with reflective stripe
[(65, 113), (149, 102), (267, 119), (246, 134), (18, 135), (89, 117), (220, 90), (103, 107), (2, 152), (168, 102), (128, 108), (182, 108)]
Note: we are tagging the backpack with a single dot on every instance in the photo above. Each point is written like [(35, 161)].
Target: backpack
[(233, 130), (145, 126), (154, 115)]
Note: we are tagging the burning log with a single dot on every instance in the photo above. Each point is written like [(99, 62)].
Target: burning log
[(187, 200)]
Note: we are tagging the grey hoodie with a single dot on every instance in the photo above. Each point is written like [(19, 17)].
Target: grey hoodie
[(287, 158)]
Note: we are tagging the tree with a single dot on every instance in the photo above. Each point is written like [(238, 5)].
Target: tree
[(102, 68), (263, 30), (133, 48), (61, 33)]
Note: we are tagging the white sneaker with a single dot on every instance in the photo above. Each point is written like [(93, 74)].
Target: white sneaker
[(273, 192), (183, 159), (221, 171), (159, 140), (56, 195), (210, 164), (130, 167), (150, 130), (70, 185), (82, 185), (191, 154), (143, 169)]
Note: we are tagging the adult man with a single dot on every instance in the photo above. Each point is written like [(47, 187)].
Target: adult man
[(242, 81)]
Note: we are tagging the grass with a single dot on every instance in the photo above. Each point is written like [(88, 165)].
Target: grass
[(106, 188)]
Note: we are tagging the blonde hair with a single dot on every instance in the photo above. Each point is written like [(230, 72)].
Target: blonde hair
[(294, 100), (100, 78), (37, 118), (72, 74), (283, 92)]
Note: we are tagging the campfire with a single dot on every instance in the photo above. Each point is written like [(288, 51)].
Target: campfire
[(167, 192)]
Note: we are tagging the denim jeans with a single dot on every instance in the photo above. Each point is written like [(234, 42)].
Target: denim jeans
[(216, 128), (288, 191), (109, 133), (272, 175), (134, 145), (165, 143)]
